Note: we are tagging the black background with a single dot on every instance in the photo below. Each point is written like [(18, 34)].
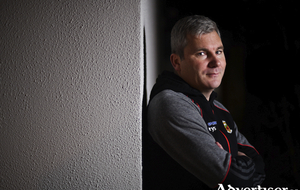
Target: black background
[(261, 84)]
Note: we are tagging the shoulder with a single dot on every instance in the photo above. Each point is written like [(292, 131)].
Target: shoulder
[(173, 107), (169, 99), (167, 94)]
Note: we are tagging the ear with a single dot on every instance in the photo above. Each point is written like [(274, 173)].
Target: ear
[(175, 61)]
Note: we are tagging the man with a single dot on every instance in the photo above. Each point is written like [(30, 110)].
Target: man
[(196, 142)]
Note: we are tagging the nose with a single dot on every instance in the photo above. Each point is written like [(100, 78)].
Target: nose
[(214, 61)]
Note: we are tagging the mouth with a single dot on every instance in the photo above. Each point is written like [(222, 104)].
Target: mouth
[(213, 74)]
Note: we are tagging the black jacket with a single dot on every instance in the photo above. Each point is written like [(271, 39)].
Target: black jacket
[(185, 127)]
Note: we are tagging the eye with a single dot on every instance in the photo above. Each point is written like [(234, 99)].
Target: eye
[(219, 52), (201, 53)]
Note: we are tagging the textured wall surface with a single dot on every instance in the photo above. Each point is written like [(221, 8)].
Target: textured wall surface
[(71, 93)]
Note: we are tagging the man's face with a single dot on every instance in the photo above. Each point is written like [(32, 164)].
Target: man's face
[(204, 62)]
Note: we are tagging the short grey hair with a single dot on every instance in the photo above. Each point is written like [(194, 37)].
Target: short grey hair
[(193, 25)]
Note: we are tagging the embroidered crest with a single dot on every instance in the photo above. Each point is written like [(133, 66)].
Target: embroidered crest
[(226, 127)]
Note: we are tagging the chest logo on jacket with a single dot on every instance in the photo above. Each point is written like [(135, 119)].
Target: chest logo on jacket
[(211, 126), (226, 127)]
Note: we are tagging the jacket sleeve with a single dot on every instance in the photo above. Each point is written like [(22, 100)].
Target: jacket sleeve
[(253, 174), (175, 123), (244, 171)]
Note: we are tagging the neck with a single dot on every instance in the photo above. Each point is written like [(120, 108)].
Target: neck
[(207, 94)]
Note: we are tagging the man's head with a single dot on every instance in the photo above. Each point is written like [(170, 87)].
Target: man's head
[(193, 25), (198, 53)]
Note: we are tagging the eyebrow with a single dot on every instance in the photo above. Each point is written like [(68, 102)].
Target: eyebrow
[(205, 49), (221, 47)]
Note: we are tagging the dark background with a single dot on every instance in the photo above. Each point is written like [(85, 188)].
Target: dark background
[(261, 85)]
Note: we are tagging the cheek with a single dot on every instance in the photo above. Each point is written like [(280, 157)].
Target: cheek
[(199, 67), (223, 63), (195, 67)]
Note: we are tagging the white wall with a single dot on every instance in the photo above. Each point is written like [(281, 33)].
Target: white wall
[(155, 60), (151, 10), (71, 94)]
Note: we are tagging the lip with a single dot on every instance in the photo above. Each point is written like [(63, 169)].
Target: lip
[(212, 74)]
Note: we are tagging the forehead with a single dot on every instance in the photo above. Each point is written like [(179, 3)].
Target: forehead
[(206, 41)]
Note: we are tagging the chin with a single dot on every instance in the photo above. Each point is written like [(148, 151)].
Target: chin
[(214, 85)]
